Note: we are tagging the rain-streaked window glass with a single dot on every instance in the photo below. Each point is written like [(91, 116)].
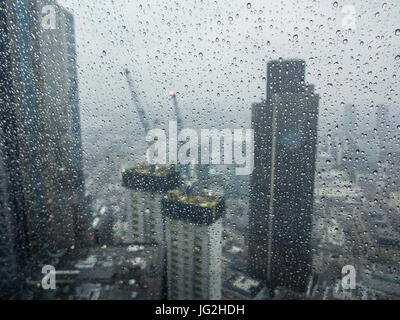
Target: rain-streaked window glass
[(199, 150)]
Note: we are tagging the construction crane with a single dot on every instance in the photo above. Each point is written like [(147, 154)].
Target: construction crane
[(184, 169), (196, 176), (188, 170), (139, 107), (177, 112)]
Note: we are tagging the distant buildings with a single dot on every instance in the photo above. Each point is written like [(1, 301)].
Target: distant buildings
[(241, 287), (383, 133), (125, 272), (282, 183), (349, 126), (102, 227), (348, 136), (193, 235)]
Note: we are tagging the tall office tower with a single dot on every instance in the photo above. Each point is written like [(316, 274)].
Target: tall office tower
[(57, 52), (382, 131), (45, 106), (336, 150), (385, 149), (348, 135), (74, 178), (349, 125), (282, 183), (69, 128), (147, 185), (193, 230)]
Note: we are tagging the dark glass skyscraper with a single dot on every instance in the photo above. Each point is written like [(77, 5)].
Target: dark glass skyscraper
[(41, 143), (10, 184), (282, 183), (13, 224)]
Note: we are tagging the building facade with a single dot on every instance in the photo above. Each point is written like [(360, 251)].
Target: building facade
[(12, 219), (193, 231), (147, 187), (44, 113)]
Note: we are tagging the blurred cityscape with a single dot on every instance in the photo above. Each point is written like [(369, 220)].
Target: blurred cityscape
[(114, 227)]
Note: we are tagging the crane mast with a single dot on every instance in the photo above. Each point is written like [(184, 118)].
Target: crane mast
[(139, 108), (188, 169), (135, 98), (177, 112)]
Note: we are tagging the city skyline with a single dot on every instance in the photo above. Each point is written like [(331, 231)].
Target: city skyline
[(289, 121), (245, 43)]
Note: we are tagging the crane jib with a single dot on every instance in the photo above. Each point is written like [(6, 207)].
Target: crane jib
[(139, 107)]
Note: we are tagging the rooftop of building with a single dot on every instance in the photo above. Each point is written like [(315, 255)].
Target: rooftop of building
[(204, 199), (286, 61), (145, 169), (240, 286), (197, 207), (157, 178), (247, 284)]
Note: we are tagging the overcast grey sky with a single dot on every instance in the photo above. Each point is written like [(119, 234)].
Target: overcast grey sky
[(214, 53)]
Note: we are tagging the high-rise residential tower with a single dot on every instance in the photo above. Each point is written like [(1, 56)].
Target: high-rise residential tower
[(193, 230), (147, 186), (282, 183)]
